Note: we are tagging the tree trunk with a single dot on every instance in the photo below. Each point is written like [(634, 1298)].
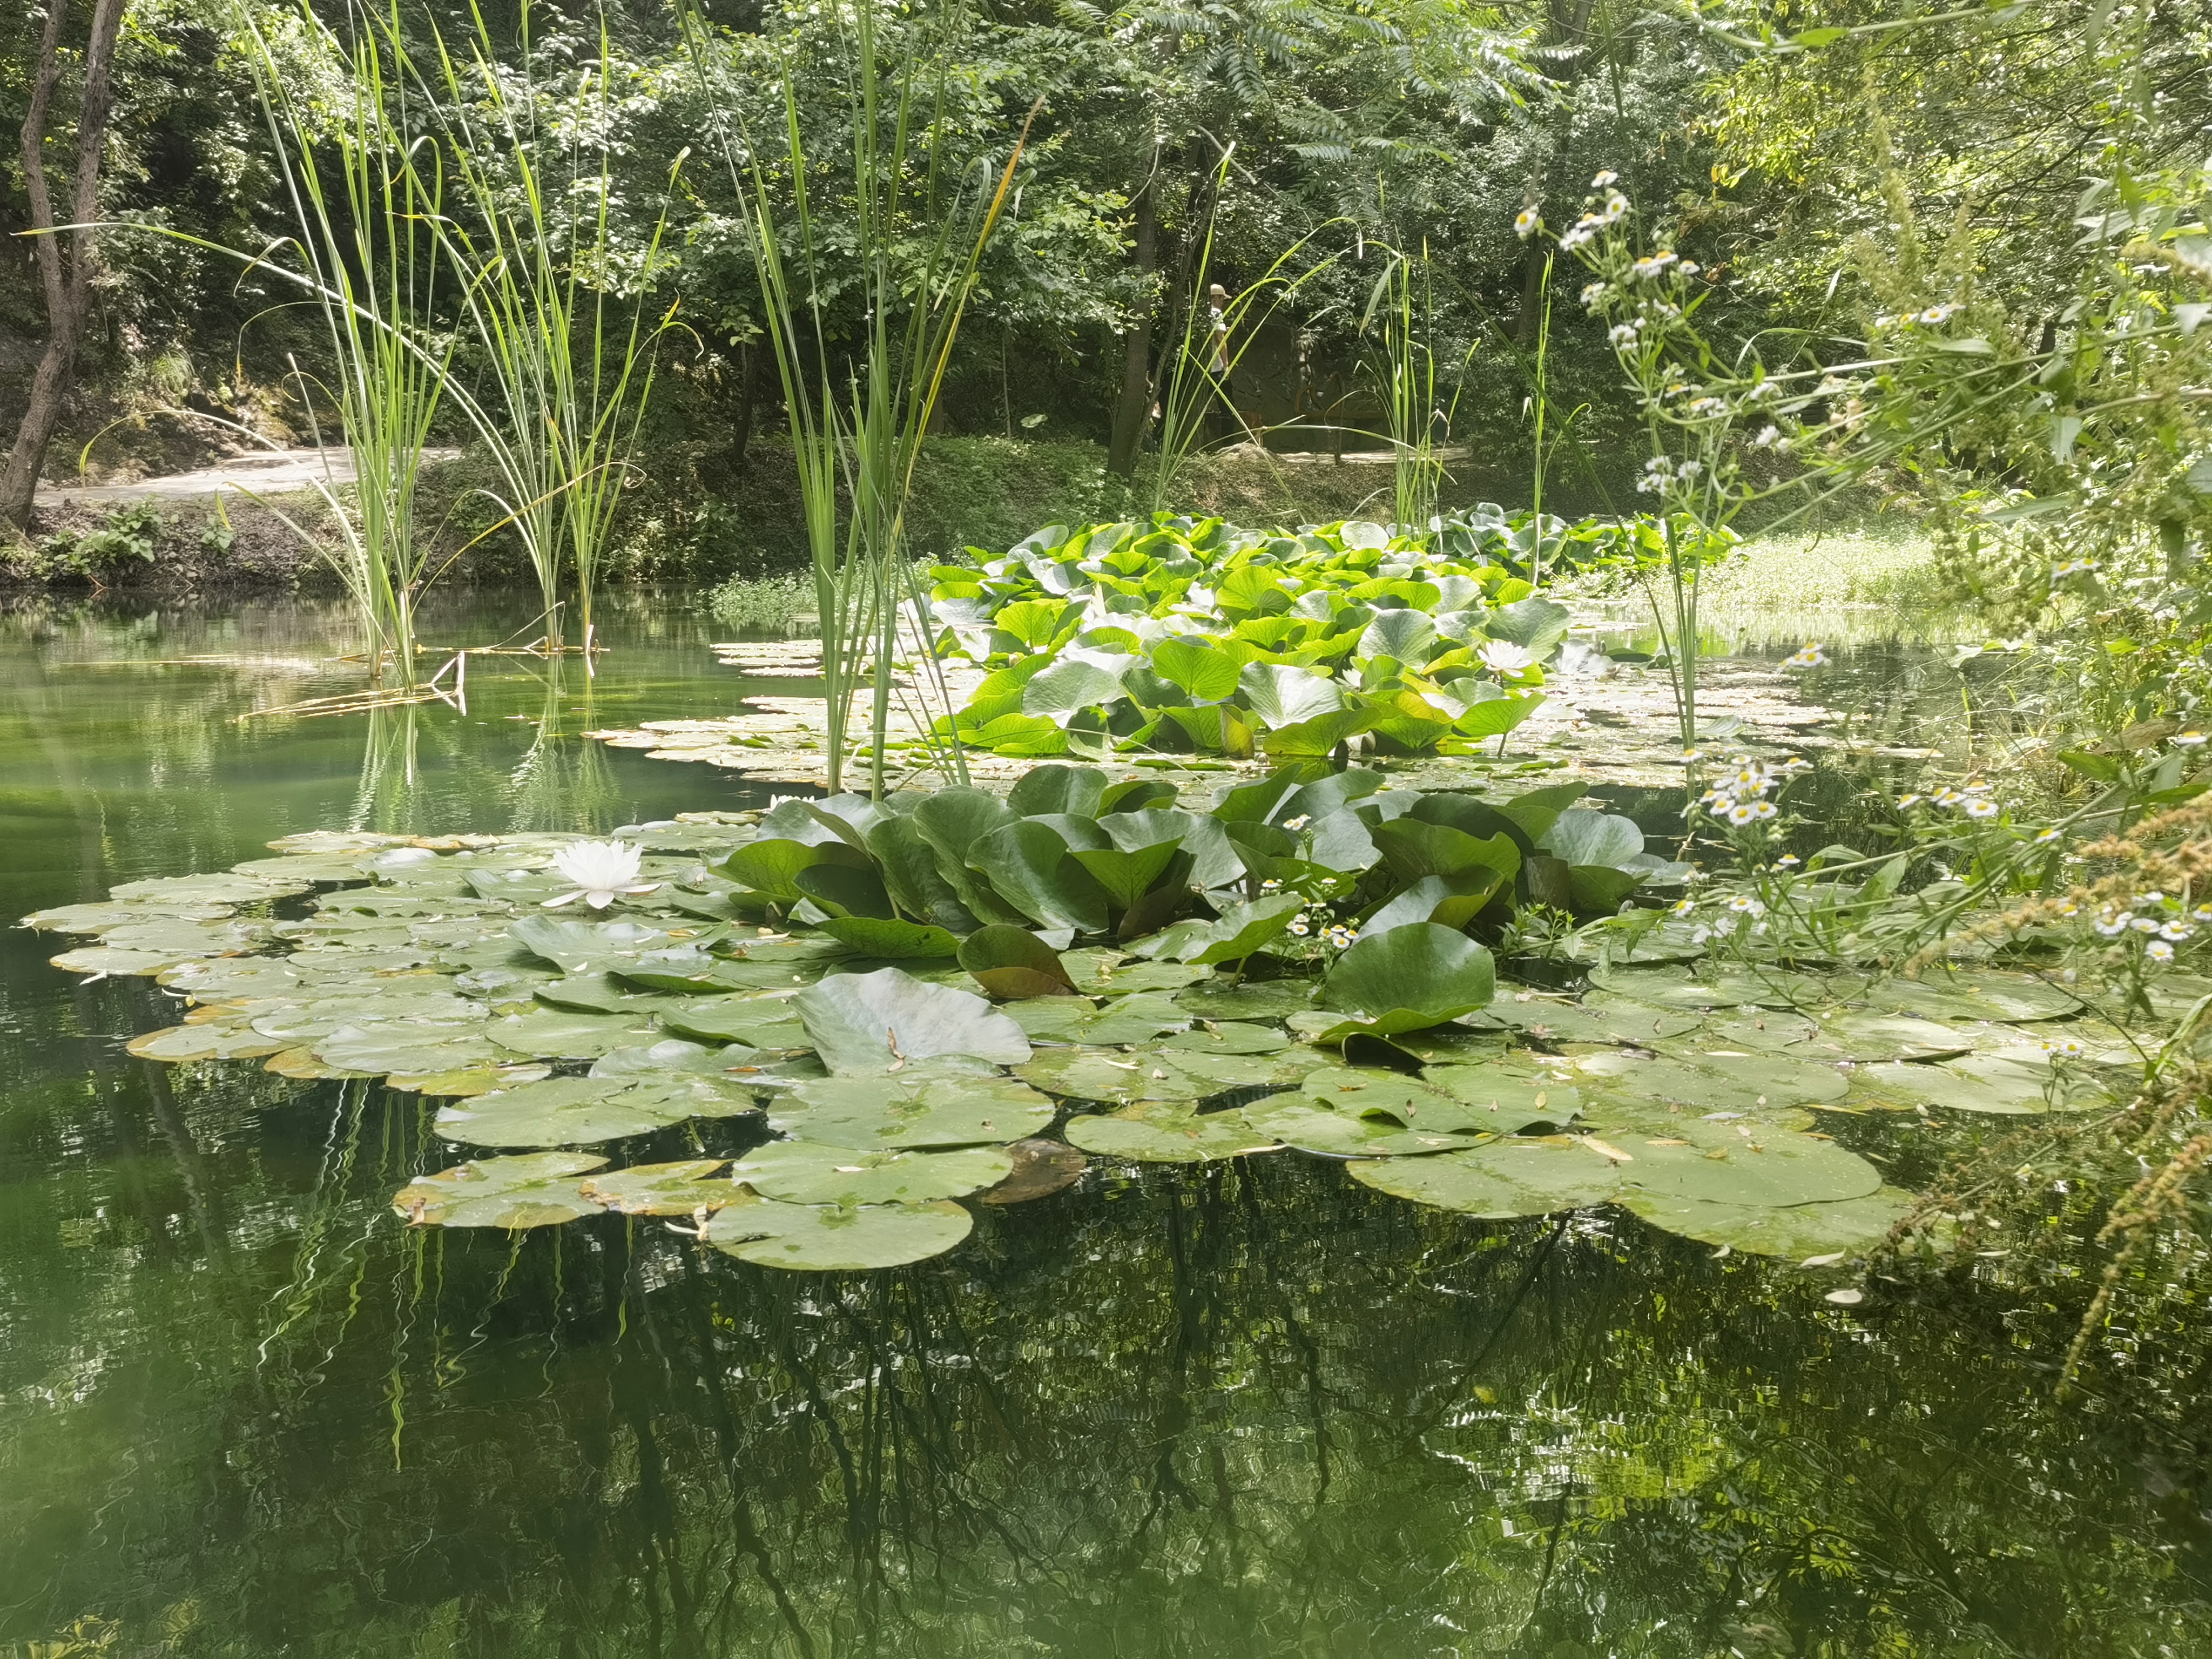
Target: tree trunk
[(67, 280), (1133, 412)]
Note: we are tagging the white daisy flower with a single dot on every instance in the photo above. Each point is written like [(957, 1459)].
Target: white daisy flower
[(1809, 656), (2068, 1048), (1607, 177), (602, 870), (2046, 838), (2159, 950), (2191, 739), (1980, 808), (2112, 926), (2144, 924), (1744, 811), (1300, 926), (1787, 861), (1683, 907), (1744, 905), (1526, 222), (1762, 810), (1298, 822), (2177, 931)]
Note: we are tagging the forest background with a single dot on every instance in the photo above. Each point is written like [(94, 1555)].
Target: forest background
[(1803, 155)]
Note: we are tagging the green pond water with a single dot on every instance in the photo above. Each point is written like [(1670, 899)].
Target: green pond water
[(1244, 1409)]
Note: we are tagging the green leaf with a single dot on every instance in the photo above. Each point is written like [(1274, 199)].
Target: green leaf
[(582, 947), (1408, 979), (909, 866), (537, 1190), (1406, 635), (1161, 1074), (835, 1238), (574, 1111), (1582, 836), (1240, 931), (1204, 673), (771, 868), (846, 889), (680, 1188), (1451, 901), (1029, 866), (1158, 1132), (879, 1022), (1281, 695), (563, 1034), (1126, 876), (808, 1172), (1078, 789), (1496, 716), (1536, 623), (760, 1022), (1501, 1180), (1079, 680), (922, 1110), (1414, 848), (1012, 962), (898, 941), (1299, 1121), (1852, 1225)]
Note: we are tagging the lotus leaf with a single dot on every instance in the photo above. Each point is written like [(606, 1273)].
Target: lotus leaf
[(809, 1172), (686, 1187), (878, 1022), (918, 1112), (1158, 1132), (537, 1190), (834, 1238)]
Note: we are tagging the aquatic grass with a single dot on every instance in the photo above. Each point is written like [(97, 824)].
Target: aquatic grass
[(1407, 367), (535, 262), (857, 425)]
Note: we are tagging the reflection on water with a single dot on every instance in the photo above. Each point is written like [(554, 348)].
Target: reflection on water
[(1246, 1410)]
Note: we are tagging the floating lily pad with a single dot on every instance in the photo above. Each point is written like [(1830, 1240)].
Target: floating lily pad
[(1138, 1018), (759, 1022), (809, 1172), (1601, 1019), (1872, 1037), (405, 1045), (1415, 977), (1852, 1225), (179, 1044), (601, 993), (585, 947), (1162, 1073), (1985, 993), (1274, 999), (1501, 1180), (1992, 1084), (929, 1111), (1298, 1120), (537, 1190), (681, 1188), (1042, 1168), (562, 1034), (98, 918), (1706, 1083), (832, 1238), (1161, 1132), (575, 1111), (670, 1056), (1229, 1037), (461, 1085), (1759, 1166), (869, 1023)]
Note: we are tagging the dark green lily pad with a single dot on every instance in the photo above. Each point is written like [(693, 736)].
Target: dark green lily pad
[(537, 1190), (1744, 1163), (808, 1172), (1229, 1037), (917, 1112), (1414, 977), (1160, 1133), (1013, 964), (834, 1238), (1130, 1019), (1276, 998)]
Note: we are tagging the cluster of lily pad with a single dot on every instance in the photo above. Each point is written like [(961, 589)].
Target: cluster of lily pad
[(1192, 636), (853, 1014)]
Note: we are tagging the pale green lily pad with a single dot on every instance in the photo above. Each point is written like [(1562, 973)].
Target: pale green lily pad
[(319, 1016), (212, 1040), (1297, 1122), (669, 1057), (1973, 994), (685, 1188), (871, 1023), (1501, 1180), (98, 917), (1273, 999), (1708, 1083), (238, 976), (1744, 1163), (835, 1238), (574, 1111), (405, 1045), (1871, 1038), (1137, 1018), (918, 1112), (602, 994), (203, 890), (1851, 1226), (1229, 1037), (108, 960), (808, 1172), (759, 1022), (537, 1190), (460, 1084), (1162, 1073), (1674, 987), (1990, 1084), (1601, 1019), (585, 947), (559, 1034), (1162, 1133)]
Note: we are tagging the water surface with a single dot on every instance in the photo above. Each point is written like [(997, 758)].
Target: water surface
[(1245, 1410)]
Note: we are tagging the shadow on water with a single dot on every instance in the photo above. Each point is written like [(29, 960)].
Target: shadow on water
[(1251, 1408)]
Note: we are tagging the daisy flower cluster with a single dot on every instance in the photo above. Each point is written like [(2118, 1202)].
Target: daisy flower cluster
[(1739, 798), (2154, 921), (1970, 799), (1808, 655), (1660, 473), (1601, 217), (1319, 921)]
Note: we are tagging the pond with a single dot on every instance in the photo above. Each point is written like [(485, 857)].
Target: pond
[(1244, 1408)]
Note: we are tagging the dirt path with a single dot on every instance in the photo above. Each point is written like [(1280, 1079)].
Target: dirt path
[(267, 472)]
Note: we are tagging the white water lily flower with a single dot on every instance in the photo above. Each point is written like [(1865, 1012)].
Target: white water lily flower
[(602, 870), (1503, 657)]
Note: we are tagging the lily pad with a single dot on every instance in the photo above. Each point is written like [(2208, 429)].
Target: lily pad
[(1706, 1083), (1229, 1037), (573, 1111), (872, 1112), (1851, 1226), (810, 1172), (1159, 1132), (759, 1022), (1408, 980), (1599, 1019), (1298, 1121), (1162, 1075), (1012, 963), (680, 1188), (1042, 1168), (537, 1190), (375, 1046), (835, 1238), (179, 1044), (1130, 1019), (1247, 998), (874, 1022), (1501, 1180), (2000, 1086), (1762, 1167), (560, 1034)]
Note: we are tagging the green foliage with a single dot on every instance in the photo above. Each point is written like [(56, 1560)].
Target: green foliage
[(129, 535)]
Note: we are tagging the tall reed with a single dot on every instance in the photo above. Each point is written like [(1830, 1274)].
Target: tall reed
[(572, 374), (1406, 370), (369, 269), (857, 417)]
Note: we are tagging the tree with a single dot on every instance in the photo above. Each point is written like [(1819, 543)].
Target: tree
[(65, 263)]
